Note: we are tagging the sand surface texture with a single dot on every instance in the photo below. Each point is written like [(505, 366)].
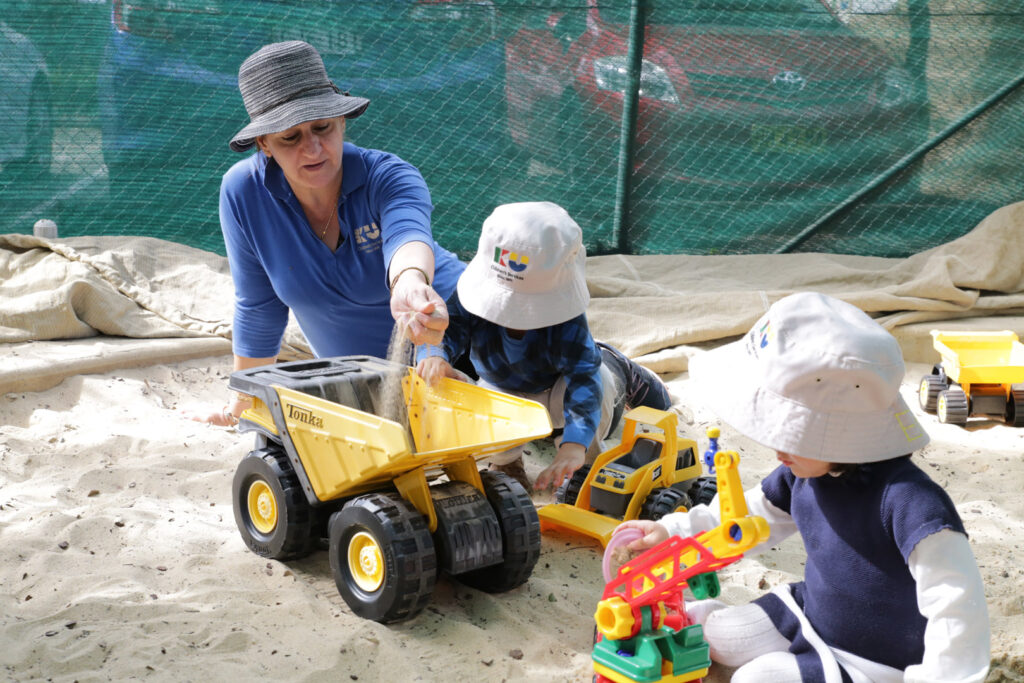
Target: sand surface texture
[(122, 560)]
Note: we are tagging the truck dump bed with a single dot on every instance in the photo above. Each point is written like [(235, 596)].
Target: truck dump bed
[(981, 357), (335, 418)]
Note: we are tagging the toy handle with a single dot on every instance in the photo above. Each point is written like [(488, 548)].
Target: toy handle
[(620, 537)]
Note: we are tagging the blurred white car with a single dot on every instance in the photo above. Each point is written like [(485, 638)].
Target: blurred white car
[(24, 106)]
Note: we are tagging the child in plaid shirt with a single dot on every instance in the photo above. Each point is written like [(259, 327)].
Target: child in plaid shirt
[(519, 308)]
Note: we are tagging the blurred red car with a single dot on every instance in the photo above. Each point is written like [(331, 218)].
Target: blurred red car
[(734, 94)]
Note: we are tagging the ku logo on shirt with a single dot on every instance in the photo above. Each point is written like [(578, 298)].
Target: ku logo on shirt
[(367, 237)]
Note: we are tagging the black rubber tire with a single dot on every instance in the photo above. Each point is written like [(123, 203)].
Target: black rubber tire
[(703, 490), (928, 392), (265, 478), (520, 536), (1015, 406), (570, 489), (662, 501), (405, 559), (468, 535), (953, 406)]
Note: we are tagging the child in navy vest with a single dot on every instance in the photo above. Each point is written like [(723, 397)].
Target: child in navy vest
[(891, 590)]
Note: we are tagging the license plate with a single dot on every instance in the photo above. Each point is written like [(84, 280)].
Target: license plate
[(327, 42), (788, 139)]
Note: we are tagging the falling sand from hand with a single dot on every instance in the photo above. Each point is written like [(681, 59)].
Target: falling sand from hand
[(399, 351)]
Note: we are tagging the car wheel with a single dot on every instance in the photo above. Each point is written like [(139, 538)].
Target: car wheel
[(953, 406), (271, 511), (928, 392), (569, 491), (520, 536), (382, 557)]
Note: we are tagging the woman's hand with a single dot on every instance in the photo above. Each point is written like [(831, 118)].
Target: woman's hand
[(570, 457), (419, 308), (654, 533)]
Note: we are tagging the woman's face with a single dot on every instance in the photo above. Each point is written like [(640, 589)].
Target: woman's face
[(309, 153), (805, 468)]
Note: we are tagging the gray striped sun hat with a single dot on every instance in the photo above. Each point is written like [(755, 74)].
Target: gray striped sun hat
[(285, 84)]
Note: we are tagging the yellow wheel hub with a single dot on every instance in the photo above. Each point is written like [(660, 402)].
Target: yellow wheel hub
[(365, 562), (923, 391), (941, 409), (262, 507)]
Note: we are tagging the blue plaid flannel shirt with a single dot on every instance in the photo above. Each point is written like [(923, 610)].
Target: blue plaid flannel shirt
[(532, 364)]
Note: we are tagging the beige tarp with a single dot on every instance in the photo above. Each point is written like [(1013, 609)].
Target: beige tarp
[(113, 292)]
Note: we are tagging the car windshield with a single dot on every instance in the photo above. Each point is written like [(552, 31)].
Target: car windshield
[(751, 13)]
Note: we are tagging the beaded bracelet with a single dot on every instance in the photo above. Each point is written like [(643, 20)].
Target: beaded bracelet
[(394, 280)]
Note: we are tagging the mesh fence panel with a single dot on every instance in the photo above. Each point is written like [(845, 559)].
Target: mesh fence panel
[(876, 127)]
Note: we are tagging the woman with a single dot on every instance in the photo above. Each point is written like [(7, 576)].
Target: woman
[(337, 234)]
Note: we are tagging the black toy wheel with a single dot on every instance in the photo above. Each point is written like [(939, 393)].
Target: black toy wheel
[(953, 406), (1015, 406), (703, 491), (520, 536), (382, 557), (662, 501), (271, 511), (468, 536), (570, 489), (928, 392)]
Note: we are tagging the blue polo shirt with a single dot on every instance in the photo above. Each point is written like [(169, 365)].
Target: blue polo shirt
[(340, 299)]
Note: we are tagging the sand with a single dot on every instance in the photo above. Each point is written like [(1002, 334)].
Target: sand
[(122, 560)]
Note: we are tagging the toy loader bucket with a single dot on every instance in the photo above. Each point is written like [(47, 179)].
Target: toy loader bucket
[(455, 419)]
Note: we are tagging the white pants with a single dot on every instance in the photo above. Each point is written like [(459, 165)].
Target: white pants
[(553, 400), (743, 636)]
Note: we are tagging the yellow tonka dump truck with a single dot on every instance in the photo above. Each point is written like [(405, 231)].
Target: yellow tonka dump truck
[(981, 373), (652, 472), (329, 463)]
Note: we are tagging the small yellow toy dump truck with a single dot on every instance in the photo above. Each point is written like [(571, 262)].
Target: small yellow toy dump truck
[(981, 373), (329, 463), (652, 472)]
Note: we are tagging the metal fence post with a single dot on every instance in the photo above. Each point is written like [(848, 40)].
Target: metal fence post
[(627, 138)]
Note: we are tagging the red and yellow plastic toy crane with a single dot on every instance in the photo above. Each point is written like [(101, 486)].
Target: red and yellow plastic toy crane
[(645, 634)]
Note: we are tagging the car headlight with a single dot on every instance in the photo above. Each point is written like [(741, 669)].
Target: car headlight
[(897, 88), (612, 73)]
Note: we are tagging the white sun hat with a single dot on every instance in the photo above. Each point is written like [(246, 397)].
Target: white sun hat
[(815, 377), (529, 270)]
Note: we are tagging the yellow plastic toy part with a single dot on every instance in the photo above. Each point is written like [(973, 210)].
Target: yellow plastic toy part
[(662, 472), (345, 451), (455, 418), (981, 357)]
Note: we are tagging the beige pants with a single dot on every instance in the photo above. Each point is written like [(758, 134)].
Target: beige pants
[(552, 399)]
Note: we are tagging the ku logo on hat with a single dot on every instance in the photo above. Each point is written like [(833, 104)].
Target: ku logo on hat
[(511, 260)]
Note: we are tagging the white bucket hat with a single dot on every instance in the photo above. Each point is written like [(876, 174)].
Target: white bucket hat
[(529, 270), (815, 377), (285, 84)]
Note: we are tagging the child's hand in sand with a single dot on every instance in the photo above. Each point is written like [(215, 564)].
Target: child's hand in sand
[(570, 457), (653, 534), (432, 369), (225, 417)]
